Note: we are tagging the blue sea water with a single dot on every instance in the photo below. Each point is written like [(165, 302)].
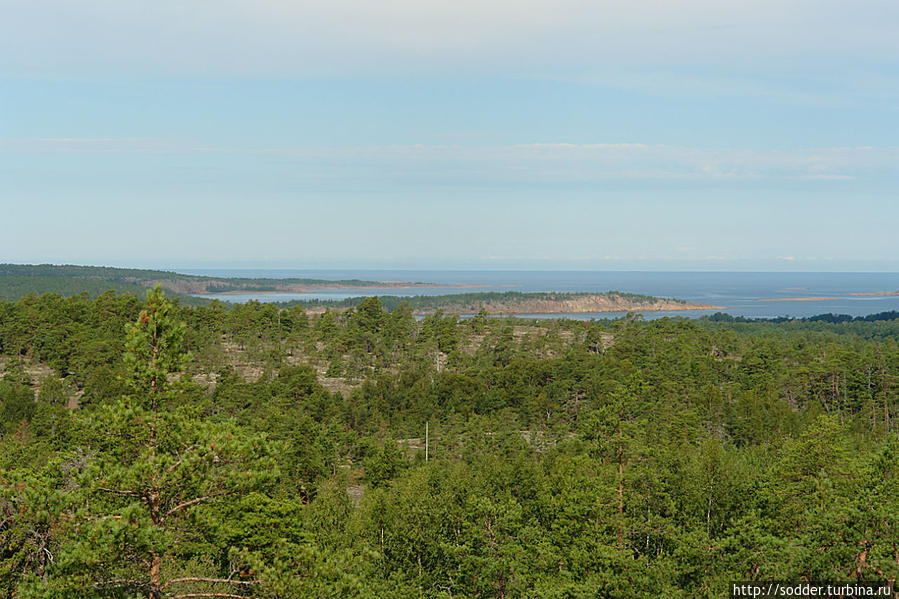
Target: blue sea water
[(739, 292)]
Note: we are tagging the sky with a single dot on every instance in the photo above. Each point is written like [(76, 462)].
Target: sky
[(463, 134)]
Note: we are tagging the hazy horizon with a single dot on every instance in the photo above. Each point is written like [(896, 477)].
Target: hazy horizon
[(267, 267)]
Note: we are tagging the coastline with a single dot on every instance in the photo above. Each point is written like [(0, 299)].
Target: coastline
[(598, 304), (384, 286)]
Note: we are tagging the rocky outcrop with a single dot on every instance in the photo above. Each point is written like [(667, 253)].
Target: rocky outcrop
[(574, 304)]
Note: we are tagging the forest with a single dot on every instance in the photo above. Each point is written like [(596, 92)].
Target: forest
[(150, 448), (18, 280)]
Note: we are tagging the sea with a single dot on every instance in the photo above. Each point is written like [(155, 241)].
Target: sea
[(738, 293)]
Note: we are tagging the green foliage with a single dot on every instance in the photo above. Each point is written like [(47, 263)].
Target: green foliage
[(208, 456), (385, 464), (153, 350), (16, 401), (442, 330)]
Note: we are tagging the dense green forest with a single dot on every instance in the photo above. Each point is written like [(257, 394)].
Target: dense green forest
[(152, 449), (14, 287)]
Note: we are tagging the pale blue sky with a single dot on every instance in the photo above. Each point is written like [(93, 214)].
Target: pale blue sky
[(420, 134)]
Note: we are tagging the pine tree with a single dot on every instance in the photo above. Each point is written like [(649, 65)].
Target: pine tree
[(150, 464)]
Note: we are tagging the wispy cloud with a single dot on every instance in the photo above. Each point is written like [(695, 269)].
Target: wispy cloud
[(534, 163), (89, 145)]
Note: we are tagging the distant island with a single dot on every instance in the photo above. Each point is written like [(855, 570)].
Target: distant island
[(17, 280), (826, 299), (515, 302)]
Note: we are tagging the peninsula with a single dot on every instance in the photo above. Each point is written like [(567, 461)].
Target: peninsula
[(514, 302), (17, 280)]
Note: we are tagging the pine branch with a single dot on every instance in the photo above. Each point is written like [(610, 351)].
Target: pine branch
[(187, 504), (212, 581), (121, 492), (172, 468), (121, 582)]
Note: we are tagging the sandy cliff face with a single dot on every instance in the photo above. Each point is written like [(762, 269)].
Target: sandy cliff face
[(574, 305)]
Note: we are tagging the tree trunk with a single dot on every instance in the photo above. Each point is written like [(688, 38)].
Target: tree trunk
[(620, 494), (154, 591)]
